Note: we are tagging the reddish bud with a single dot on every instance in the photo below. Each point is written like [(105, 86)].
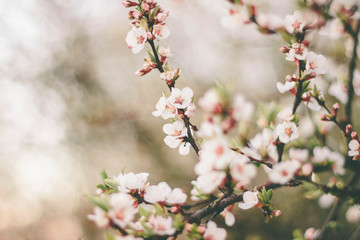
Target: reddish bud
[(335, 109), (324, 117), (284, 49), (348, 129), (276, 213), (201, 229), (354, 135), (188, 227), (128, 3), (310, 76)]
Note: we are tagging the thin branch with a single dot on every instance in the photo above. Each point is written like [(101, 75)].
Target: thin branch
[(267, 163), (352, 65)]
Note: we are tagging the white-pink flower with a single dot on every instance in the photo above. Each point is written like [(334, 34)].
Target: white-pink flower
[(286, 114), (176, 131), (216, 151), (229, 217), (210, 102), (242, 109), (242, 170), (354, 149), (190, 110), (99, 217), (181, 98), (299, 154), (316, 63), (287, 131), (164, 109), (312, 233), (212, 232), (339, 90), (287, 86), (298, 51), (311, 102), (295, 22), (161, 32), (209, 182), (157, 193), (250, 200), (131, 181), (122, 210), (326, 200), (136, 39), (162, 225), (177, 196), (168, 76), (284, 171), (353, 214)]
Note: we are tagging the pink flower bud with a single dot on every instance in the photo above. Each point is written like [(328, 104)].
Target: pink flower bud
[(188, 227), (145, 7), (276, 213), (149, 35), (307, 169), (348, 129), (128, 3), (162, 16), (201, 229), (335, 109), (354, 135), (324, 117), (284, 49)]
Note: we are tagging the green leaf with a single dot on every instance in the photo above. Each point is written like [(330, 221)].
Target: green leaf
[(111, 183), (152, 16), (151, 55), (101, 186), (100, 202), (270, 194), (104, 174), (143, 24), (178, 222)]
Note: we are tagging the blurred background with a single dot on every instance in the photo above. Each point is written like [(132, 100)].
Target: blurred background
[(71, 106)]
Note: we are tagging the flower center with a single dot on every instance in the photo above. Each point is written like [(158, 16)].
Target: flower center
[(288, 131), (219, 150)]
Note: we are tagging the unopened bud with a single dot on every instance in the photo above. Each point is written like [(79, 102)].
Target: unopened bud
[(128, 3), (348, 129), (335, 109), (309, 76), (324, 117), (276, 213), (284, 49), (307, 169), (201, 229), (354, 135), (188, 227), (145, 7)]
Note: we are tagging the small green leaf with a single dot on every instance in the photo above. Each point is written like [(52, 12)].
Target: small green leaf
[(104, 174), (100, 202), (143, 24), (152, 16), (111, 183), (101, 186)]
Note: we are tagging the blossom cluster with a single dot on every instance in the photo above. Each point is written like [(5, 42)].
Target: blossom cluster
[(231, 151)]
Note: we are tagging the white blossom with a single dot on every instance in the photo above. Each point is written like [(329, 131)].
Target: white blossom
[(339, 90), (287, 131), (210, 102), (286, 114), (295, 22), (181, 98), (298, 51), (321, 154), (242, 109), (287, 86), (250, 200), (284, 171), (311, 102), (176, 131), (161, 32), (316, 63), (162, 225), (353, 214), (312, 233), (136, 39), (299, 154), (177, 196), (241, 170), (131, 181), (99, 217), (164, 109), (354, 148), (122, 210), (157, 193), (189, 112), (326, 200), (209, 182), (212, 232)]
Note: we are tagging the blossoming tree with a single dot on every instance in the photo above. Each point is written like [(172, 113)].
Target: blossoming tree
[(228, 162)]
